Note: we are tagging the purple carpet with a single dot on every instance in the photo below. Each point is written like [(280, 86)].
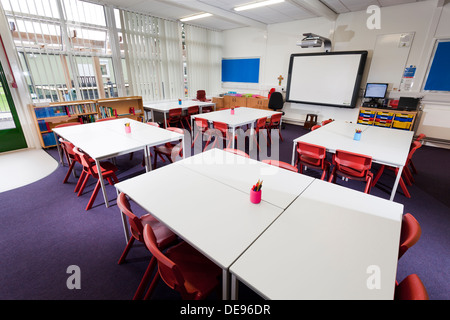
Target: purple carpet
[(45, 229)]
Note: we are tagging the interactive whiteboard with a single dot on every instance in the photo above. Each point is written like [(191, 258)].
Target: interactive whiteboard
[(329, 78)]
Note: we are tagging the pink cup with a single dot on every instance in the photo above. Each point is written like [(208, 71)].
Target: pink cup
[(255, 196), (127, 129), (232, 111)]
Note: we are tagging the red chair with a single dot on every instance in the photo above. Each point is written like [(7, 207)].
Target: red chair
[(174, 118), (409, 234), (405, 174), (183, 269), (314, 156), (170, 150), (155, 124), (352, 166), (190, 111), (317, 126), (72, 157), (260, 125), (68, 124), (237, 151), (207, 109), (105, 119), (201, 96), (202, 129), (281, 164), (164, 237), (220, 132), (327, 121), (419, 138), (411, 288), (275, 123), (90, 170)]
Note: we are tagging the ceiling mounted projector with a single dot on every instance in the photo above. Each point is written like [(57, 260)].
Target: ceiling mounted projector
[(313, 40)]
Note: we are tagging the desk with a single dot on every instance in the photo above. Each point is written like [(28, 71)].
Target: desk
[(165, 106), (107, 139), (280, 186), (242, 116), (213, 217), (385, 146), (328, 244)]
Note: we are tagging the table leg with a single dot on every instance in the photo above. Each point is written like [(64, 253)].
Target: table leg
[(165, 120), (233, 137), (234, 287), (148, 161), (126, 230), (397, 180), (252, 132), (102, 182), (293, 153), (225, 284)]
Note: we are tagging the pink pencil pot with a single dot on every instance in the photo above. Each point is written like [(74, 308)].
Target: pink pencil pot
[(232, 111), (127, 129), (255, 196)]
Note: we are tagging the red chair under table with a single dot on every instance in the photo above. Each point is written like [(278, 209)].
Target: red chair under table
[(221, 133), (314, 156), (90, 170), (281, 164), (352, 166), (72, 157), (411, 288), (170, 150), (183, 269), (317, 126), (174, 118), (275, 123), (409, 234), (190, 111), (164, 237)]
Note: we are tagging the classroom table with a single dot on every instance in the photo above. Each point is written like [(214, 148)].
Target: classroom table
[(330, 243), (242, 116), (165, 106), (108, 139), (215, 217), (385, 145)]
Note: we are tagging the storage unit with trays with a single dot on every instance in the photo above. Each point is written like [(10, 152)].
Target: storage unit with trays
[(388, 118), (49, 115)]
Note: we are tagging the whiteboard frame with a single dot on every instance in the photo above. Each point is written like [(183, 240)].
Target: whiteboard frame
[(358, 77)]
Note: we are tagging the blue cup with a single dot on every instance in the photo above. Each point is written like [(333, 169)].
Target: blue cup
[(357, 136)]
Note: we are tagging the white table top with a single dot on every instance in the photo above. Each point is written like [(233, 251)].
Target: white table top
[(165, 106), (218, 220), (324, 246), (280, 186), (384, 145), (242, 115), (108, 139)]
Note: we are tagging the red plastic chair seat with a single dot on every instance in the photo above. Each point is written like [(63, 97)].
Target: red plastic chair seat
[(183, 269), (410, 233), (311, 155), (411, 288)]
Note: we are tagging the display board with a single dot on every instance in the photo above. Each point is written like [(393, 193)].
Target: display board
[(438, 78), (329, 78), (240, 70)]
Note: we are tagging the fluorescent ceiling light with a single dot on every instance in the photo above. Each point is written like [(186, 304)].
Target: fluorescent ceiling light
[(257, 4), (197, 16)]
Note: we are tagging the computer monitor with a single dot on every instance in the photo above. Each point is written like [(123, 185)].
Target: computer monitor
[(376, 90)]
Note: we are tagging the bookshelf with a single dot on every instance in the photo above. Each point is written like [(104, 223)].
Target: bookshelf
[(124, 107), (48, 116)]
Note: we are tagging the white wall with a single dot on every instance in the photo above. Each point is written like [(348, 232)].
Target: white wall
[(349, 32)]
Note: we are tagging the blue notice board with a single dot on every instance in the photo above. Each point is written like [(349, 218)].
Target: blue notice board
[(240, 70), (439, 75)]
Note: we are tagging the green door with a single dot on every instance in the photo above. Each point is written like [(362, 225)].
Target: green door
[(11, 134)]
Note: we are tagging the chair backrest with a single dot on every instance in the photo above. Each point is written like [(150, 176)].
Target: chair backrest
[(281, 164), (420, 137), (327, 121), (409, 234), (311, 152), (192, 110), (155, 124), (86, 161), (168, 270), (201, 123), (276, 101), (411, 288), (136, 226), (222, 127), (174, 113), (207, 109), (68, 150), (201, 94), (414, 146), (275, 119), (105, 119), (353, 164), (261, 123), (237, 151), (317, 126)]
